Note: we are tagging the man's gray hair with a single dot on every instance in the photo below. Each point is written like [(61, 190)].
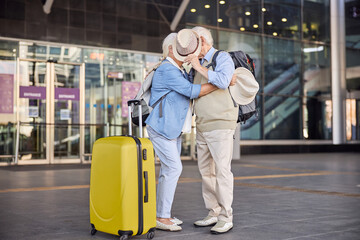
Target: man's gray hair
[(205, 33), (167, 42)]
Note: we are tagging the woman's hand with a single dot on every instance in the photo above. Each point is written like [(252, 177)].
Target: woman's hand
[(193, 60)]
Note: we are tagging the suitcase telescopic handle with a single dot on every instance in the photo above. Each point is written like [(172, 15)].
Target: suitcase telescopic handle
[(130, 103)]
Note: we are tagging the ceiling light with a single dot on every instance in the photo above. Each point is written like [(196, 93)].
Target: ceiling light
[(207, 6), (255, 26), (284, 19), (275, 33), (220, 20), (247, 13), (263, 9), (242, 29), (315, 49), (269, 23), (193, 10), (222, 2)]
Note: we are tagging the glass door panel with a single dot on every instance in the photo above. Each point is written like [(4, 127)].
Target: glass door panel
[(66, 111), (32, 110)]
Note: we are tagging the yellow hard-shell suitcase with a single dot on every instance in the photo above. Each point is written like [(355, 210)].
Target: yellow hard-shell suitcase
[(122, 186)]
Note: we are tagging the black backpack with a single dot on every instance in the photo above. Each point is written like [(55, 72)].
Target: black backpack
[(241, 59)]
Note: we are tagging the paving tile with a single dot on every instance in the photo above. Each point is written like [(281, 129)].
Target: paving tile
[(264, 208)]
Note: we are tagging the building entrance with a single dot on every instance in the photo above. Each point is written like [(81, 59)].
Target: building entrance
[(50, 103)]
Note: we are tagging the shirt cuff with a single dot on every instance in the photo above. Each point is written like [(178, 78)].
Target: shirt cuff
[(211, 77), (195, 91)]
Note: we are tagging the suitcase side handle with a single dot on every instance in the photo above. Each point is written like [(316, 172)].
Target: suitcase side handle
[(146, 197)]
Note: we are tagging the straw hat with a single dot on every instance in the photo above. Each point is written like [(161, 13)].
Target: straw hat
[(186, 42), (245, 88)]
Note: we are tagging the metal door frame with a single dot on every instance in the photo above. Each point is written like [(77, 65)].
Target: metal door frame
[(50, 112)]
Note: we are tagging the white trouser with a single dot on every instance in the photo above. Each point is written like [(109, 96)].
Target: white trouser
[(168, 152), (215, 149)]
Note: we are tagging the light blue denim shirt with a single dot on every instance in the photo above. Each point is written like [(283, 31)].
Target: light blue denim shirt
[(169, 78), (224, 69)]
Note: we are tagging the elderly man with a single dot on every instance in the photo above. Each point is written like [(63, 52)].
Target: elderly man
[(216, 120)]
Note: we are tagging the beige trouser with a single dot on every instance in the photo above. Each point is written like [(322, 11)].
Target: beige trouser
[(215, 151)]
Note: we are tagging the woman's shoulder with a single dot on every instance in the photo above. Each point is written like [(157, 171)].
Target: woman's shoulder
[(166, 65), (168, 68)]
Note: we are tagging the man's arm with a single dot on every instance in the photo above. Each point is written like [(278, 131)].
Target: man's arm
[(207, 88), (223, 73)]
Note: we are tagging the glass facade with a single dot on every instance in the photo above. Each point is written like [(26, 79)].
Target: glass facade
[(352, 37), (289, 41), (105, 112)]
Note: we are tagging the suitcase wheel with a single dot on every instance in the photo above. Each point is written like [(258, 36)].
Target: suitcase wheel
[(150, 235), (124, 237), (93, 230)]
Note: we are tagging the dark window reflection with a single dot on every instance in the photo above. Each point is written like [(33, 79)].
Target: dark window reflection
[(251, 130), (282, 18), (353, 69), (317, 117), (282, 67), (317, 74), (316, 25), (282, 118)]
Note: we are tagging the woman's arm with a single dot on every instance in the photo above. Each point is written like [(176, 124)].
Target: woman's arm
[(207, 88)]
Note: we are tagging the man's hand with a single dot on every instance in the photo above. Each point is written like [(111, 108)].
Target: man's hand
[(193, 60), (233, 80)]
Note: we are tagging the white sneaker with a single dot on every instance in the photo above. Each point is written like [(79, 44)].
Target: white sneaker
[(208, 221), (165, 227), (221, 227), (176, 221)]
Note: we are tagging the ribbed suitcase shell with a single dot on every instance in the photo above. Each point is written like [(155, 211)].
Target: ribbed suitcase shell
[(115, 198)]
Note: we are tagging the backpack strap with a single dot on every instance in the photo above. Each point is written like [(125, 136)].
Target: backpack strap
[(213, 65), (160, 101), (213, 61), (235, 104)]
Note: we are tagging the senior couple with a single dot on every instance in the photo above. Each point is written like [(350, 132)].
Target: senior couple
[(216, 118)]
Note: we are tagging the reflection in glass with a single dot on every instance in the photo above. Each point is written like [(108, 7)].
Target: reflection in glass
[(251, 130), (45, 52), (352, 119), (7, 101), (67, 112), (250, 44), (32, 111), (282, 18), (352, 23), (197, 13), (282, 118), (317, 119), (282, 67), (105, 71), (353, 69), (243, 16), (317, 74), (32, 141), (7, 139), (316, 16)]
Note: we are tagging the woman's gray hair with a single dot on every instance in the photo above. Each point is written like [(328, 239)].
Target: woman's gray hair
[(205, 33), (166, 43)]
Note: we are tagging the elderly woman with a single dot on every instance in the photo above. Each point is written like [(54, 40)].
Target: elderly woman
[(166, 123)]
